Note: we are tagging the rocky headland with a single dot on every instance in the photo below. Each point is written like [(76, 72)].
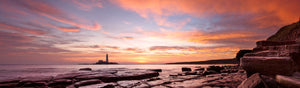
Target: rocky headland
[(275, 62)]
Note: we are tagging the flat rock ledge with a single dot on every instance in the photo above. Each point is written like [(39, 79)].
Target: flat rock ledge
[(223, 76)]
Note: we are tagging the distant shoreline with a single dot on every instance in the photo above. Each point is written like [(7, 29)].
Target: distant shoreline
[(219, 61)]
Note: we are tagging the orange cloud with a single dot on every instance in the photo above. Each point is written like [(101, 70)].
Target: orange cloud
[(264, 11), (215, 37), (136, 50), (193, 48), (87, 4), (69, 29), (233, 37)]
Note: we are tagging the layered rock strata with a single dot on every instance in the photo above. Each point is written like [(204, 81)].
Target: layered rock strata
[(279, 54)]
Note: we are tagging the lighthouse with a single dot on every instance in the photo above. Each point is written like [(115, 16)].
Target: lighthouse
[(106, 58)]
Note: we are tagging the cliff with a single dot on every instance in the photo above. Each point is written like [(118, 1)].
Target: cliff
[(287, 33), (275, 62), (279, 54)]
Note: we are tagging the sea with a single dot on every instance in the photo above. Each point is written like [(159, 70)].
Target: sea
[(15, 71)]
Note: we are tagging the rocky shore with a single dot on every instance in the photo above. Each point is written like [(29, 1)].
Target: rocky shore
[(213, 76), (275, 62)]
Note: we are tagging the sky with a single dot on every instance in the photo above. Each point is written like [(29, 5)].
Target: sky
[(136, 31)]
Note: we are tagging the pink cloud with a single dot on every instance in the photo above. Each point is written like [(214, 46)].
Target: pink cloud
[(126, 22), (69, 29), (52, 12), (120, 37), (97, 46), (19, 28)]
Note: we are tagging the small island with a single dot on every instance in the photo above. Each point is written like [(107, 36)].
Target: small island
[(106, 62)]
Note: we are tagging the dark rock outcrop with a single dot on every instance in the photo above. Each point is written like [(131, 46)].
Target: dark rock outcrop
[(85, 69), (279, 54), (186, 69), (156, 70), (208, 72), (268, 65), (215, 68), (241, 53)]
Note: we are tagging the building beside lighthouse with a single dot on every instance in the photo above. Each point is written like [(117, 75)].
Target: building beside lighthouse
[(105, 62)]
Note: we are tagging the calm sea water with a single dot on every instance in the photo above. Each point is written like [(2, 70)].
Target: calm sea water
[(13, 71)]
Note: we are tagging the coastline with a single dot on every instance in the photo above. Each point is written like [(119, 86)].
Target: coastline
[(200, 76), (218, 61)]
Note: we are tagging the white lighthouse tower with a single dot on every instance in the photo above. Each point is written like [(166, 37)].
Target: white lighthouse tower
[(106, 58)]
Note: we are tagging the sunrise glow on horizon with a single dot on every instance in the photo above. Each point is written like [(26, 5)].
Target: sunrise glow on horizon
[(136, 31)]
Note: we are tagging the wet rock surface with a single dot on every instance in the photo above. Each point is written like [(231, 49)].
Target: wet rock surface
[(288, 81), (186, 69), (254, 81), (134, 78), (85, 69)]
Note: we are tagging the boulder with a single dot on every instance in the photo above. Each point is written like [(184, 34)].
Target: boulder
[(208, 72), (85, 69), (215, 68), (199, 69), (186, 69), (288, 81), (156, 70), (191, 73), (270, 66), (254, 81)]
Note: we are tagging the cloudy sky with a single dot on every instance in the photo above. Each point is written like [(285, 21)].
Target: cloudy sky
[(136, 31)]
